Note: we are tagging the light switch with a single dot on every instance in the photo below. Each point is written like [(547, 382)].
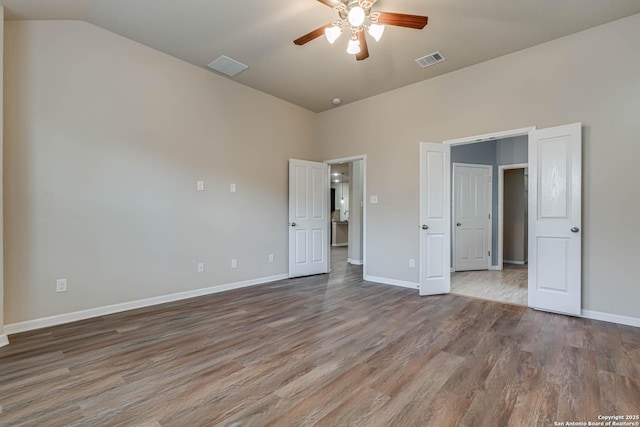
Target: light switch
[(200, 185), (374, 200), (234, 263), (61, 285), (200, 267), (232, 188)]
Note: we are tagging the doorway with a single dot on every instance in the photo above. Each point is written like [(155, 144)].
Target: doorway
[(492, 214), (347, 215)]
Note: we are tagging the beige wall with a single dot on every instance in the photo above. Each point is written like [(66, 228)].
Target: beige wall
[(514, 216), (104, 143), (590, 77)]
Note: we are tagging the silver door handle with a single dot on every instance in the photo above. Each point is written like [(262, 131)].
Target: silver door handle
[(575, 229), (459, 224), (293, 224), (425, 227)]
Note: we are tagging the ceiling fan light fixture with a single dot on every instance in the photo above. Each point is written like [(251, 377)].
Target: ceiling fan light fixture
[(376, 30), (356, 16), (354, 47), (332, 33)]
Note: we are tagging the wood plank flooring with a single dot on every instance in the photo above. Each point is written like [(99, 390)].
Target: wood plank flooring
[(327, 350), (508, 285)]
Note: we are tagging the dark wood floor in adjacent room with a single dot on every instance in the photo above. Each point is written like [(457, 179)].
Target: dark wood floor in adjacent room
[(327, 350)]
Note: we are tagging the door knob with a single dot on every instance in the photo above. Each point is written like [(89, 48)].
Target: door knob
[(425, 227), (293, 224), (459, 224), (575, 229)]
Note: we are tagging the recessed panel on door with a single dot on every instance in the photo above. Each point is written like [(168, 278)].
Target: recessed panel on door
[(301, 237), (436, 248), (436, 195), (300, 194), (554, 179), (318, 201), (552, 264), (318, 248)]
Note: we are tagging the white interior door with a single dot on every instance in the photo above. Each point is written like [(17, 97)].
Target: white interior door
[(555, 197), (435, 219), (472, 216), (308, 217)]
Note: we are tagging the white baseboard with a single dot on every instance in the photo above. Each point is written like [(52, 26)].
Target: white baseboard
[(354, 261), (613, 318), (60, 319), (509, 261), (393, 282), (495, 267), (3, 340)]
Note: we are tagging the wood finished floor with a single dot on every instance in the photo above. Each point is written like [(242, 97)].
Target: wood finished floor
[(508, 285), (327, 350)]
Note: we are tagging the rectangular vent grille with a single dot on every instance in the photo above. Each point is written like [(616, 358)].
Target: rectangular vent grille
[(431, 59), (227, 66)]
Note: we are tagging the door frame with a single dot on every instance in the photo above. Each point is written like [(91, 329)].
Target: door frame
[(454, 207), (349, 159), (490, 137), (501, 169)]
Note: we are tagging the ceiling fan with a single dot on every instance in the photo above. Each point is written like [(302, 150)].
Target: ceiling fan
[(356, 16)]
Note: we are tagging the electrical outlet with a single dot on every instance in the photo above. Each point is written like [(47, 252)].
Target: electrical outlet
[(234, 263), (374, 200), (200, 267), (412, 263), (270, 257), (61, 285)]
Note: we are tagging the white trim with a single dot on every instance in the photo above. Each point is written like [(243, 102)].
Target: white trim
[(335, 245), (4, 340), (495, 268), (613, 318), (510, 261), (362, 157), (491, 136), (354, 261), (453, 208), (60, 319), (393, 282), (501, 170)]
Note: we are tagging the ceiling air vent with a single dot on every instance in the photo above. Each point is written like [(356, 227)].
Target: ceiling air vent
[(227, 66), (431, 59)]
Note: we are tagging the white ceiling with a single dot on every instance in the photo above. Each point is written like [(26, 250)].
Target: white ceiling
[(261, 33)]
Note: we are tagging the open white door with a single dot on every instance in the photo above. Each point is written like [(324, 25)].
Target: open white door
[(555, 212), (308, 218), (435, 219)]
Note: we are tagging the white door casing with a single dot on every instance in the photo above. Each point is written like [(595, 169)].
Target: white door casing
[(472, 216), (435, 219), (308, 218), (555, 213)]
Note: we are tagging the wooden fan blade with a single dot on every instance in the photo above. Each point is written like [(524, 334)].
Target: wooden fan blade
[(364, 49), (401, 20), (330, 3), (311, 36)]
